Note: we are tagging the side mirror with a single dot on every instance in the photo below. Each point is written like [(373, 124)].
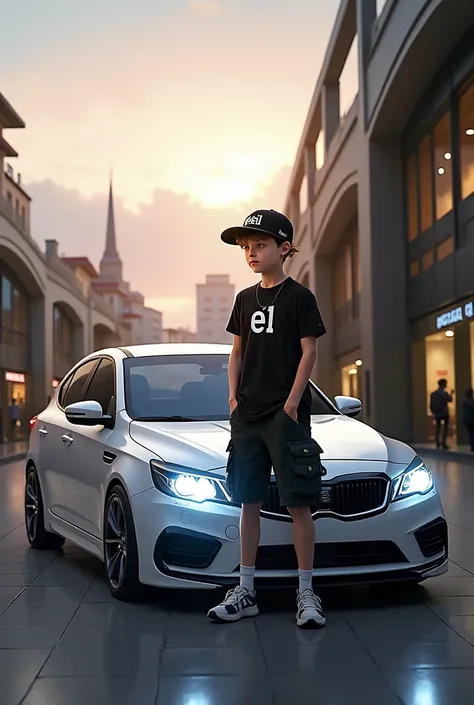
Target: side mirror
[(88, 413), (349, 406)]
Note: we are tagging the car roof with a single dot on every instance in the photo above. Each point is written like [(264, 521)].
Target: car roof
[(176, 349)]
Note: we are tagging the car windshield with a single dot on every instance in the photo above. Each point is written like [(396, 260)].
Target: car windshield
[(184, 387)]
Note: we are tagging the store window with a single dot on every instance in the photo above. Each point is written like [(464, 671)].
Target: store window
[(426, 184), (414, 268), (346, 286), (63, 337), (444, 249), (443, 167), (427, 260), (14, 315), (412, 196), (466, 141)]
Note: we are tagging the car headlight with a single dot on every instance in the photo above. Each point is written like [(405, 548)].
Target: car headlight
[(186, 483), (417, 479)]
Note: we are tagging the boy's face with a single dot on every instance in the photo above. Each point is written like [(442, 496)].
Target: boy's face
[(262, 253)]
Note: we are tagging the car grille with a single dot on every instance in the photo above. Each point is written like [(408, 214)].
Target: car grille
[(344, 498)]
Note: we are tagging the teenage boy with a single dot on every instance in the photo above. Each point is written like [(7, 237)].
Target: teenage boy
[(274, 325)]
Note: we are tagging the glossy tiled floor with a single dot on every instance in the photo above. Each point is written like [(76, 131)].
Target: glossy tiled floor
[(64, 641)]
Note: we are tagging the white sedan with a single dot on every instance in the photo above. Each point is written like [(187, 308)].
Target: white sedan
[(129, 460)]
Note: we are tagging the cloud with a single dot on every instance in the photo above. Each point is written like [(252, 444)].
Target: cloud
[(204, 7), (167, 246)]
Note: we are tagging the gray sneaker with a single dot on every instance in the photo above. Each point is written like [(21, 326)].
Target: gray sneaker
[(309, 613), (238, 603)]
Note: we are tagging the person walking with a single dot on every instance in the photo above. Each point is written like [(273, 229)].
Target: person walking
[(275, 325), (439, 401)]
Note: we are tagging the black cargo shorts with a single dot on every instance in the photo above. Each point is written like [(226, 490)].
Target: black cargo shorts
[(278, 442)]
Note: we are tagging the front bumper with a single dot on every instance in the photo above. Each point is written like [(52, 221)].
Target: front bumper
[(187, 545)]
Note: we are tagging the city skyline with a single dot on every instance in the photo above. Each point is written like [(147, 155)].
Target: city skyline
[(192, 148)]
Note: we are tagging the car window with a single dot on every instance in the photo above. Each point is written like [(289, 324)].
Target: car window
[(102, 386), (75, 389), (194, 386)]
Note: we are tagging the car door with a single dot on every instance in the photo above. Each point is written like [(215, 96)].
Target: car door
[(53, 446), (87, 467)]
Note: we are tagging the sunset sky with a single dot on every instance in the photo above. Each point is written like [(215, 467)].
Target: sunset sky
[(196, 105)]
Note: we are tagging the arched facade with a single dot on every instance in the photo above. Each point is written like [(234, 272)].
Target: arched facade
[(407, 197)]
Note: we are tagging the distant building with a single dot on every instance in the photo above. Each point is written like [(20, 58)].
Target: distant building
[(145, 324), (178, 335), (214, 301)]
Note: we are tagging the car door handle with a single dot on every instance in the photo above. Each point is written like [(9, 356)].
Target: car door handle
[(67, 439), (42, 432)]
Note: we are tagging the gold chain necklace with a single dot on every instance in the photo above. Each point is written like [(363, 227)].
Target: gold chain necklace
[(274, 299)]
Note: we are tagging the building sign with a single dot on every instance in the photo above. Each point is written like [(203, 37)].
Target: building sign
[(460, 313), (18, 377)]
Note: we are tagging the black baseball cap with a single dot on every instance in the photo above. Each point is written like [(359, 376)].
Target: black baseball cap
[(263, 222)]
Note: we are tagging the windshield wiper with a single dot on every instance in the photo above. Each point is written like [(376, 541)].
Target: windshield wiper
[(164, 418)]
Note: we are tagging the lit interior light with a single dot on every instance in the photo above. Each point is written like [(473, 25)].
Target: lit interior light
[(353, 371), (449, 334), (470, 131), (447, 156), (358, 363), (441, 170)]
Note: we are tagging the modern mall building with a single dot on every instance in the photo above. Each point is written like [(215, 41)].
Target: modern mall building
[(382, 198)]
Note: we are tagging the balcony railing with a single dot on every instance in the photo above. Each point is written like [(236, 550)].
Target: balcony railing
[(14, 217)]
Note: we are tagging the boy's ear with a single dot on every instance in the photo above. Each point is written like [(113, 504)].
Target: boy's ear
[(285, 247)]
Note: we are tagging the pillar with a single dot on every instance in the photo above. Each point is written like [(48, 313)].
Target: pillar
[(419, 392), (325, 371), (330, 112), (41, 358), (385, 331)]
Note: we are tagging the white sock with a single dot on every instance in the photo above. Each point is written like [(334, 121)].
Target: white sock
[(247, 574), (306, 580)]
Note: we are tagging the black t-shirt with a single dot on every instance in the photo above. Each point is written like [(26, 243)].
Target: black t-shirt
[(271, 336)]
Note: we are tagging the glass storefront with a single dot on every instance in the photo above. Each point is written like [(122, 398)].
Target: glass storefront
[(14, 356), (443, 348)]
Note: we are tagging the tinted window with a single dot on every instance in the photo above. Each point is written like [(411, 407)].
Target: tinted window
[(194, 386), (75, 389), (102, 386)]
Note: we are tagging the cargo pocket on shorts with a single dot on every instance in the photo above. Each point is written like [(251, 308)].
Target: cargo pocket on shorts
[(306, 468), (229, 480)]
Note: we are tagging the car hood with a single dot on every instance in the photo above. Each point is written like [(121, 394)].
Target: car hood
[(203, 444)]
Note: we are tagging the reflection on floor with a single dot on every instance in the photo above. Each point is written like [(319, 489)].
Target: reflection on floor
[(65, 641)]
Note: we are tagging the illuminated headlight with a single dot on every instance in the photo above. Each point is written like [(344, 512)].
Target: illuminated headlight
[(417, 479), (187, 483)]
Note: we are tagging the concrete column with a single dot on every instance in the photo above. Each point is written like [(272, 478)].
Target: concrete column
[(385, 331), (310, 171), (325, 370), (366, 16), (330, 112), (462, 366), (41, 373), (419, 392)]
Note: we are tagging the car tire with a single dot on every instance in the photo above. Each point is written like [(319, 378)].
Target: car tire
[(120, 547), (36, 533)]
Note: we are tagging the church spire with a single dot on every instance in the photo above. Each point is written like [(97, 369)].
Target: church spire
[(111, 264)]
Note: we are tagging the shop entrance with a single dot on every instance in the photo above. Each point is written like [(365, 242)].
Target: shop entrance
[(350, 381), (15, 426), (440, 365)]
